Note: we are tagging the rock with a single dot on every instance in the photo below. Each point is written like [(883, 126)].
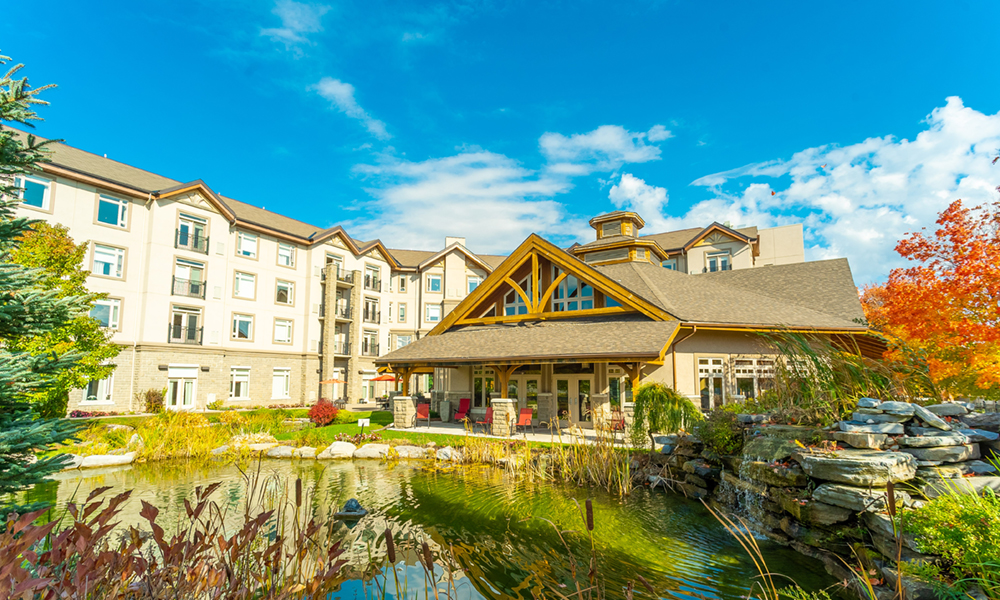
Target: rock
[(932, 441), (669, 440), (988, 421), (882, 524), (930, 418), (411, 452), (979, 435), (262, 447), (813, 537), (868, 403), (743, 418), (873, 441), (219, 451), (74, 462), (868, 411), (280, 452), (449, 453), (337, 450), (955, 470), (696, 481), (948, 409), (858, 467), (964, 485), (916, 430), (887, 428), (372, 451), (667, 449), (106, 460), (804, 434), (744, 485), (774, 474), (656, 481), (305, 452), (693, 491), (913, 588), (855, 498), (951, 454), (701, 468), (887, 548), (118, 427), (880, 418), (689, 446), (769, 448), (810, 510), (898, 408), (135, 442)]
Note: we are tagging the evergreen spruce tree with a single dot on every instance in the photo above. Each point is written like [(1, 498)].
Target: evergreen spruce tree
[(27, 309)]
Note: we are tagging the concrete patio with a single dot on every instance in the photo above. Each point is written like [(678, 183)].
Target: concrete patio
[(541, 434)]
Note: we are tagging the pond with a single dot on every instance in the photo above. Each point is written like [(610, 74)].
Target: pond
[(500, 530)]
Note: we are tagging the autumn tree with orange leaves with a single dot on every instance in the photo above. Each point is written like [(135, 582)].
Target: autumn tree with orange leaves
[(946, 308)]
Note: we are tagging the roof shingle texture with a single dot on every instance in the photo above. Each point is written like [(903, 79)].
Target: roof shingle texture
[(621, 335)]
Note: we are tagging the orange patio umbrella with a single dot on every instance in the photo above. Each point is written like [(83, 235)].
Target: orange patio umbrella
[(386, 377), (334, 380)]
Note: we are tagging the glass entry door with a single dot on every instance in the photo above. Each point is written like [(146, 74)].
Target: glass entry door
[(181, 387), (573, 398), (524, 388)]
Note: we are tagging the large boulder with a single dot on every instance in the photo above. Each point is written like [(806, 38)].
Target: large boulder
[(774, 474), (970, 468), (948, 409), (411, 452), (701, 468), (74, 462), (897, 408), (947, 454), (988, 421), (858, 467), (337, 450), (304, 452), (932, 441), (859, 427), (879, 418), (979, 435), (769, 448), (869, 403), (855, 498), (930, 418), (809, 510), (107, 460), (871, 441), (449, 453), (372, 451), (280, 452)]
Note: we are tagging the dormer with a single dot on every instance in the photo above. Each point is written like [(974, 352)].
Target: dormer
[(617, 224)]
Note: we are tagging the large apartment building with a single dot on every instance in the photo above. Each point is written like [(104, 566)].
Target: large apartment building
[(215, 299)]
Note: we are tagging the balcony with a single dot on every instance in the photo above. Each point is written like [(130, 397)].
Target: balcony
[(344, 276), (191, 241), (185, 335), (188, 287), (342, 348), (373, 283), (373, 316), (343, 312), (368, 349)]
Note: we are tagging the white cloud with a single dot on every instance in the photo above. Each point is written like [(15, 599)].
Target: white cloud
[(297, 19), (634, 194), (859, 200), (604, 149), (341, 94), (658, 133)]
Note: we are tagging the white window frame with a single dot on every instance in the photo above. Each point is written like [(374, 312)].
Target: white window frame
[(669, 264), (569, 297), (757, 369), (237, 318), (399, 338), (428, 307), (288, 325), (401, 312), (402, 284), (239, 375), (114, 311), (20, 180), (122, 211), (119, 254), (247, 279), (430, 286), (513, 304), (243, 240), (289, 254), (726, 257), (470, 280), (105, 388), (284, 376), (279, 283)]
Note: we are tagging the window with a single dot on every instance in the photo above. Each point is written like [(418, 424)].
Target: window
[(753, 376), (189, 278), (246, 245), (112, 211), (513, 302), (371, 279), (107, 311), (109, 261), (474, 281), (572, 294), (670, 263), (242, 327), (191, 233), (402, 283), (433, 283), (369, 343), (432, 313), (284, 292), (718, 262), (281, 382), (35, 191), (99, 390), (402, 312), (185, 325), (710, 382), (286, 255), (403, 340), (282, 331), (239, 383), (371, 313), (245, 285)]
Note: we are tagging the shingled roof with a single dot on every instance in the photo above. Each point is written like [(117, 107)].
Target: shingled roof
[(626, 336)]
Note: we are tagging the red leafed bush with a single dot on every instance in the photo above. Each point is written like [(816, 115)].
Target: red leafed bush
[(323, 413)]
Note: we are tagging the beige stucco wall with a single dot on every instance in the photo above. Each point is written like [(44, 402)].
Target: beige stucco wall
[(781, 245), (725, 344)]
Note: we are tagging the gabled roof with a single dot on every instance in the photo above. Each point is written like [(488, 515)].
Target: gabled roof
[(676, 240)]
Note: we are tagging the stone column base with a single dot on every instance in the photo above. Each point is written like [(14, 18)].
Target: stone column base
[(504, 415), (404, 412)]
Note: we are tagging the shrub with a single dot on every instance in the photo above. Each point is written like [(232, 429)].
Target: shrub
[(721, 432), (323, 413), (233, 419), (660, 409), (82, 414), (962, 528), (216, 405), (151, 401)]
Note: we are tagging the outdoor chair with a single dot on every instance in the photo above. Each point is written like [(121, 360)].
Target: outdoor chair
[(487, 420), (524, 420), (463, 410), (423, 412)]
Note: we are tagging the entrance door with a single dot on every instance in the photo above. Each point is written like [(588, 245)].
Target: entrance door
[(181, 387), (573, 398), (710, 382), (524, 388)]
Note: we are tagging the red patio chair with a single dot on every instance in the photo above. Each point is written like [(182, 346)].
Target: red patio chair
[(423, 412), (487, 420), (524, 420), (463, 410)]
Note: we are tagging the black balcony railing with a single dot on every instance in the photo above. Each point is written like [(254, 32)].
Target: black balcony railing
[(342, 348), (714, 268), (373, 283), (345, 276), (191, 241), (373, 316), (185, 335), (188, 287), (369, 349), (343, 312)]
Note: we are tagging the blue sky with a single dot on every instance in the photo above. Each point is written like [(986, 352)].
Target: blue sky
[(492, 120)]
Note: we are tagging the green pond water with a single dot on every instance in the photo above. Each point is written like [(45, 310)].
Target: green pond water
[(499, 529)]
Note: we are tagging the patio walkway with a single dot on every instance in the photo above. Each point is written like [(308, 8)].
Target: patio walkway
[(541, 434)]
